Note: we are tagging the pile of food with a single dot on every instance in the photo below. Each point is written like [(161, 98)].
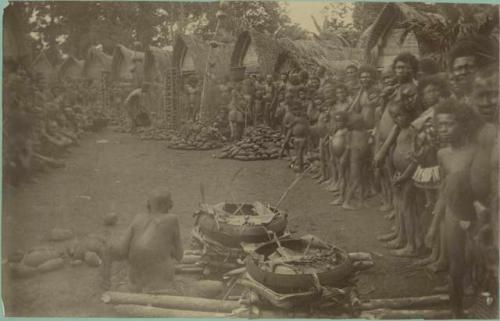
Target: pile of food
[(293, 262), (225, 231), (196, 136), (155, 133), (259, 143)]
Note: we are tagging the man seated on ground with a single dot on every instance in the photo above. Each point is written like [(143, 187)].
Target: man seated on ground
[(151, 245)]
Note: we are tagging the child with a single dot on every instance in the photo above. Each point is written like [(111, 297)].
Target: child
[(320, 131), (342, 99), (453, 121), (338, 145), (408, 241), (150, 245), (358, 158)]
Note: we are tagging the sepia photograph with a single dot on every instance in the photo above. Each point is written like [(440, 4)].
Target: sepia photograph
[(250, 159)]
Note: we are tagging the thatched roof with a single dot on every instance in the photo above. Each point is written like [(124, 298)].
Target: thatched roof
[(387, 31), (71, 68), (310, 53), (190, 55), (156, 63), (256, 52), (124, 63), (95, 63)]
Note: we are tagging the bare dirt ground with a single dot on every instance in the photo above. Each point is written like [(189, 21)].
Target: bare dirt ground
[(116, 176)]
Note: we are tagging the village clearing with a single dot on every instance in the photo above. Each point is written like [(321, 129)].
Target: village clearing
[(114, 172)]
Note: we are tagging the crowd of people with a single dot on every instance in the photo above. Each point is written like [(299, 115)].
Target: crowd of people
[(41, 123), (420, 136)]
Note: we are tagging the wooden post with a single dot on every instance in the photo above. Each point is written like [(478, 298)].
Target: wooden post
[(207, 66)]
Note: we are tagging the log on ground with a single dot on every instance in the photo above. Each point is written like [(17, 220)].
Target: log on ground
[(131, 310), (170, 301), (405, 303), (406, 314)]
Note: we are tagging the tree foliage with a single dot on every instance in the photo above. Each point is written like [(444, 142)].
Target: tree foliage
[(72, 27)]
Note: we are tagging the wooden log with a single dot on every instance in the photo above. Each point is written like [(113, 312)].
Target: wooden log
[(405, 303), (406, 314), (360, 256), (188, 269), (190, 259), (170, 301), (131, 310)]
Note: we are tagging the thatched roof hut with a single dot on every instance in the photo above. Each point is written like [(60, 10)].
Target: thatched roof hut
[(157, 62), (387, 37), (95, 63), (255, 52), (307, 54), (127, 64), (190, 55), (41, 66), (71, 68)]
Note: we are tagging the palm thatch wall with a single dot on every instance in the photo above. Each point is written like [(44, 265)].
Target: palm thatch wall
[(127, 65), (255, 52), (42, 67), (71, 68), (95, 63), (387, 37), (157, 62)]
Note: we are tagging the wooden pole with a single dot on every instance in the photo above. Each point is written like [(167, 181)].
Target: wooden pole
[(405, 303), (406, 314), (207, 65), (131, 310), (170, 302)]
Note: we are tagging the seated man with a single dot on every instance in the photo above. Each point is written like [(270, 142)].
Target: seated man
[(151, 245)]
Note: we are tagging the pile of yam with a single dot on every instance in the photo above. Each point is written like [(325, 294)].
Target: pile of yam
[(196, 136), (155, 133), (259, 143)]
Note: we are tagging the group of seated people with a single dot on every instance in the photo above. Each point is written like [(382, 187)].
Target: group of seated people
[(420, 136), (40, 125)]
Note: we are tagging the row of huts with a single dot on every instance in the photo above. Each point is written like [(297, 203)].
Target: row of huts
[(251, 52)]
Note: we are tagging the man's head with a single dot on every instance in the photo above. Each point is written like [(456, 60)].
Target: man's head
[(284, 77), (432, 89), (160, 201), (485, 94), (302, 93), (269, 78), (388, 78), (367, 76), (405, 67), (351, 71), (399, 113), (467, 56), (453, 121), (315, 82)]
